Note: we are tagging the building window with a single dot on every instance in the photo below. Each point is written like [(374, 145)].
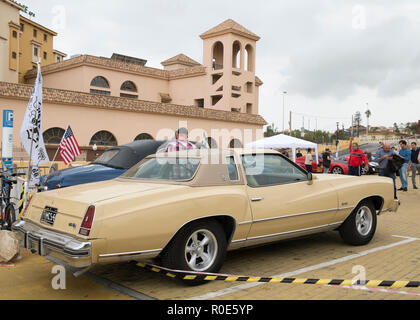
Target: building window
[(236, 62), (103, 92), (14, 34), (103, 138), (45, 37), (235, 144), (212, 143), (129, 96), (100, 82), (143, 136), (58, 59), (249, 61), (35, 33), (249, 108), (36, 52), (45, 55), (199, 103), (53, 135), (249, 86), (22, 27), (129, 86), (218, 53), (14, 55)]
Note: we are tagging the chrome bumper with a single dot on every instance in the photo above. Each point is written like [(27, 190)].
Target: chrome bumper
[(54, 246)]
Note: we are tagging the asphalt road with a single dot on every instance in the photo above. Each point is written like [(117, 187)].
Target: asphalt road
[(394, 254)]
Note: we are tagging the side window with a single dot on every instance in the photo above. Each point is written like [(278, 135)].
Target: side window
[(270, 169), (232, 169)]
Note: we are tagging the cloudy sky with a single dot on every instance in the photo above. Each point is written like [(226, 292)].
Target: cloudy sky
[(333, 57)]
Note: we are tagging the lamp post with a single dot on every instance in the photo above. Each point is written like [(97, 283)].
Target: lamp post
[(284, 95)]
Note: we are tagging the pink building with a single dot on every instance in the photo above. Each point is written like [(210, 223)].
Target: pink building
[(117, 100)]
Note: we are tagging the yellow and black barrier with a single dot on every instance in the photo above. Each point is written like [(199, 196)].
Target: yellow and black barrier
[(21, 200), (197, 276)]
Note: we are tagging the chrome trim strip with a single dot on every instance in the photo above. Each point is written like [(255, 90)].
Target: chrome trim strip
[(295, 215), (293, 231), (243, 223), (134, 253)]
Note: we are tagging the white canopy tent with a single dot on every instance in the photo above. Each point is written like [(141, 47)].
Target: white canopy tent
[(282, 141)]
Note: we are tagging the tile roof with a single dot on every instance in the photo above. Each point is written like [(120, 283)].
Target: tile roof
[(23, 92), (229, 26), (107, 63), (181, 59)]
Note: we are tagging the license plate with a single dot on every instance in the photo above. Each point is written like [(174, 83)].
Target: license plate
[(48, 215)]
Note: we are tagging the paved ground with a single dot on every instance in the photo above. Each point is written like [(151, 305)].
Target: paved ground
[(394, 254)]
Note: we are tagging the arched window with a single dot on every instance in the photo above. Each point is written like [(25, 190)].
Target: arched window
[(212, 143), (249, 61), (235, 144), (236, 55), (143, 136), (103, 138), (128, 86), (100, 82), (53, 136), (218, 53)]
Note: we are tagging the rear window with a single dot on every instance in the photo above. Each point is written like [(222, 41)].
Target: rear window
[(106, 156), (175, 169)]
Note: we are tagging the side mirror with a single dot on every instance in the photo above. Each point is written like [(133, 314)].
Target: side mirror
[(310, 178)]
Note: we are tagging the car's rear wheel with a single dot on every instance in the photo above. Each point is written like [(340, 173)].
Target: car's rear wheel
[(360, 226), (199, 247), (337, 170)]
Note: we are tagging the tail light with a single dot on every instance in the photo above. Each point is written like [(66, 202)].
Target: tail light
[(87, 222)]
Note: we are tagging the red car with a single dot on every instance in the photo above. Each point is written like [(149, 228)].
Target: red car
[(337, 166)]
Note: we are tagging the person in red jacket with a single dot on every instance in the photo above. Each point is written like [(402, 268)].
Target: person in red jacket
[(356, 160)]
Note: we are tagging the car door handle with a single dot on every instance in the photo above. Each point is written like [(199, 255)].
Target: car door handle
[(257, 199)]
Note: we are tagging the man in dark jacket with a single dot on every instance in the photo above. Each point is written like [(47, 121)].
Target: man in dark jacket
[(356, 160), (326, 160)]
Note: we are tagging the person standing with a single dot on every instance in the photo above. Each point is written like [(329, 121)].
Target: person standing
[(308, 161), (181, 142), (326, 160), (356, 160), (414, 164), (383, 156), (406, 154)]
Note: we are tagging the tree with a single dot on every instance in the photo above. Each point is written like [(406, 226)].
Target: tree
[(358, 121), (396, 129), (368, 114), (271, 131)]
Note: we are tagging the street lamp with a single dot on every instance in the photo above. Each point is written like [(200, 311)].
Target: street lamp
[(284, 95)]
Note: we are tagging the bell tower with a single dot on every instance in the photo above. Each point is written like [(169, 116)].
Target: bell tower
[(229, 57)]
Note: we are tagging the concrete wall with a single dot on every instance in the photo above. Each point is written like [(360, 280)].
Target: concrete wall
[(8, 13)]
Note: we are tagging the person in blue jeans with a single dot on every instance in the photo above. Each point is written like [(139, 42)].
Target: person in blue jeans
[(406, 154), (383, 156)]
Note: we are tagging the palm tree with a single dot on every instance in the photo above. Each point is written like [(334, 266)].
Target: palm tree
[(368, 114)]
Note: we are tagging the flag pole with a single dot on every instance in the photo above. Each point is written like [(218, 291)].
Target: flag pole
[(55, 156)]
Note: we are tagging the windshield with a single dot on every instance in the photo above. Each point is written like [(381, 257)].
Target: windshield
[(105, 157), (174, 169)]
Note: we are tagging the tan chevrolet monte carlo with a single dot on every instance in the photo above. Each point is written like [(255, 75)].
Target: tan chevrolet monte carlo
[(190, 208)]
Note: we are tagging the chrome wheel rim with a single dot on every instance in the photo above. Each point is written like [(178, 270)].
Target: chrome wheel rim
[(337, 170), (201, 250), (364, 220)]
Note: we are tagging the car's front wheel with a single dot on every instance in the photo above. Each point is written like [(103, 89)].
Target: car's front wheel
[(199, 247), (360, 226), (337, 170)]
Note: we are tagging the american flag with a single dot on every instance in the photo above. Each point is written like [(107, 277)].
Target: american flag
[(69, 148)]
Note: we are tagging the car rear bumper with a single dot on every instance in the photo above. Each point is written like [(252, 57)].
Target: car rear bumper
[(62, 249)]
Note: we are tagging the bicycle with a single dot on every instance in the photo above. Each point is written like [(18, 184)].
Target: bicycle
[(8, 214)]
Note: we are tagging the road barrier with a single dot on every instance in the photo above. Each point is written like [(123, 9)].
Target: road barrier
[(184, 275)]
